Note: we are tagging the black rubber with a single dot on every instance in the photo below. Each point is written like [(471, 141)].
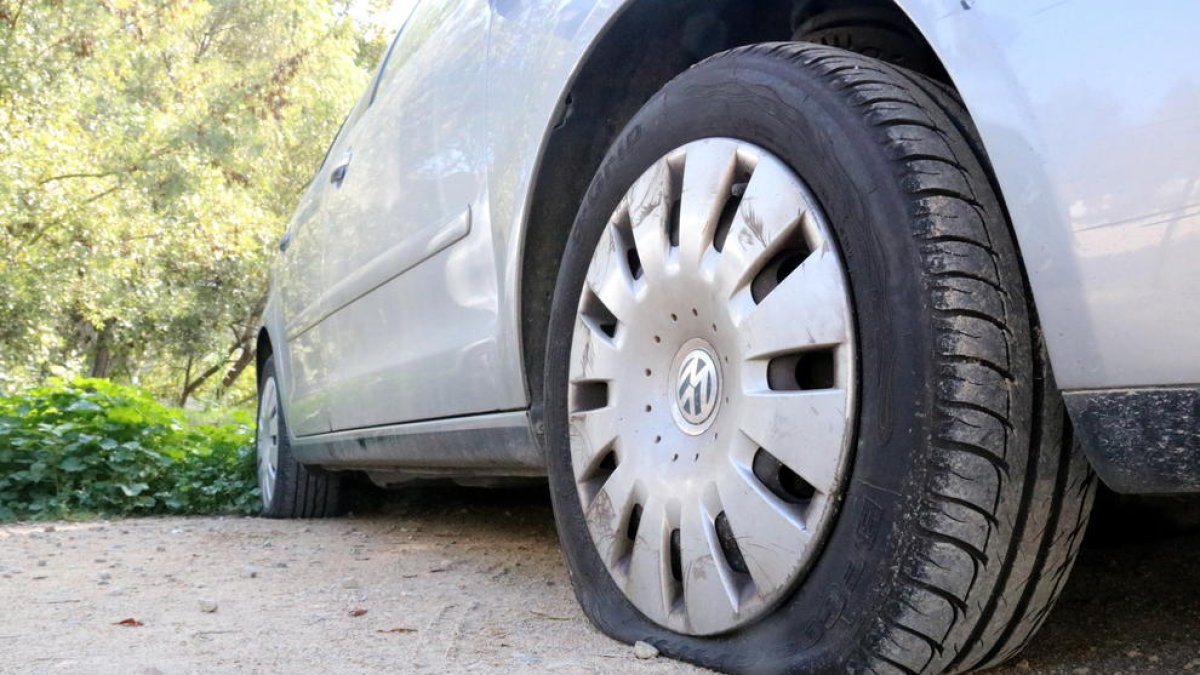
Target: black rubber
[(300, 491), (965, 504), (880, 32)]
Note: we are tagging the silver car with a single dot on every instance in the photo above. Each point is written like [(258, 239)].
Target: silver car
[(824, 318)]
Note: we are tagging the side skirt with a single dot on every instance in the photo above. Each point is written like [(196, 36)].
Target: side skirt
[(496, 444)]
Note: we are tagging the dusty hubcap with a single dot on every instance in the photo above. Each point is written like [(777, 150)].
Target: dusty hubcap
[(268, 441), (711, 387)]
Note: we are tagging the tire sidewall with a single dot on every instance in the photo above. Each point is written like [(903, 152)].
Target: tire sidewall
[(788, 111)]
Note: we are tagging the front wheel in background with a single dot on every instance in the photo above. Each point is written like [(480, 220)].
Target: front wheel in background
[(288, 489), (798, 417)]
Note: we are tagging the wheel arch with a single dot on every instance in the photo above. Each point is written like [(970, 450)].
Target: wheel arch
[(643, 46), (262, 351)]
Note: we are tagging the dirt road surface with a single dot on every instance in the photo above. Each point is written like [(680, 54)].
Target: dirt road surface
[(445, 579)]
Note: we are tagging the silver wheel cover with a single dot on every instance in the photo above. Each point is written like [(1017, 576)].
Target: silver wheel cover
[(711, 391), (268, 441)]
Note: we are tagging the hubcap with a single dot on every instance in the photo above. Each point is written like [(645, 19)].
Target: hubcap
[(711, 387), (268, 441)]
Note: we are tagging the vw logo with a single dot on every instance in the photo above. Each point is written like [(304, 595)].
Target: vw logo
[(697, 387)]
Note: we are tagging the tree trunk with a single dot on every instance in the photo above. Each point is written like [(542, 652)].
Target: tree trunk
[(244, 359), (102, 357)]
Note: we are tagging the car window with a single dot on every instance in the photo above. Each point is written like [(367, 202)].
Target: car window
[(401, 14)]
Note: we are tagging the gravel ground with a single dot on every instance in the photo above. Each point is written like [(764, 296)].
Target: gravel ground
[(444, 579)]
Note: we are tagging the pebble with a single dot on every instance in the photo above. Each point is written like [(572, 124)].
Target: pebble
[(41, 563), (49, 528), (117, 592), (351, 582), (105, 576), (644, 650), (250, 572), (208, 606)]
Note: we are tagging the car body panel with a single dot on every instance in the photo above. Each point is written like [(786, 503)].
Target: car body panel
[(1090, 113), (1096, 152)]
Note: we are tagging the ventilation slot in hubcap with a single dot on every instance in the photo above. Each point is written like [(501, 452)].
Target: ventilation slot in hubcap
[(732, 202), (780, 480), (803, 371), (729, 546)]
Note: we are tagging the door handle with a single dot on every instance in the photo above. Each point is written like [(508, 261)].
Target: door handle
[(338, 175)]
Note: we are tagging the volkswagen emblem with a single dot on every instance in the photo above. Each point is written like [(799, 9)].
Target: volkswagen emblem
[(697, 389)]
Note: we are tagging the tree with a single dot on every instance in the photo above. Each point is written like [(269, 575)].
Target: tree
[(153, 152)]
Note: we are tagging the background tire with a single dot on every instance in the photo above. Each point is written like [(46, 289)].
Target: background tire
[(290, 489), (966, 503)]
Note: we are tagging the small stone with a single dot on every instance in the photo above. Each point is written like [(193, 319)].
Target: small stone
[(1153, 658), (250, 572), (41, 563), (351, 582), (160, 548), (644, 650), (49, 528), (281, 565), (208, 606), (117, 592), (1082, 670), (105, 576), (1024, 665), (1133, 653)]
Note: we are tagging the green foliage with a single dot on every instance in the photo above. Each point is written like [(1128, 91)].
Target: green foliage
[(154, 150), (91, 447)]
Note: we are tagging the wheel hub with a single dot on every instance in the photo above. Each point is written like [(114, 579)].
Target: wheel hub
[(711, 387)]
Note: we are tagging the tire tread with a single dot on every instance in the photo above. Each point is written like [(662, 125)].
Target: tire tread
[(1021, 492)]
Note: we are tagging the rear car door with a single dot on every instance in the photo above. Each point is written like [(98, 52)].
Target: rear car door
[(301, 292), (408, 266)]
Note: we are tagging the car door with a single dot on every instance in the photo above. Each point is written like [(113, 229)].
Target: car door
[(304, 381), (408, 267)]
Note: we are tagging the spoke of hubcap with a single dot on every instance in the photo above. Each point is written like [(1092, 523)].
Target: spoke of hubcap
[(649, 203), (593, 434), (770, 535), (609, 279), (711, 593), (608, 515), (599, 356), (804, 430), (770, 210), (808, 309), (649, 580), (707, 175)]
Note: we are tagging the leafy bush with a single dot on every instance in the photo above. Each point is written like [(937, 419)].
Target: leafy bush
[(92, 447)]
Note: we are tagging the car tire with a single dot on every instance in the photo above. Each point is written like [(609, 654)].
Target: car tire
[(961, 502), (288, 488)]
